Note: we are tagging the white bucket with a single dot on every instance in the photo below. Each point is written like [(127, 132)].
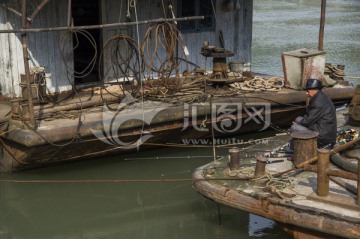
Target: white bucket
[(236, 66)]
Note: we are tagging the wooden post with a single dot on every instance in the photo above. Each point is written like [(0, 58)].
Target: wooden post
[(305, 146), (234, 159), (26, 65), (322, 175), (322, 26)]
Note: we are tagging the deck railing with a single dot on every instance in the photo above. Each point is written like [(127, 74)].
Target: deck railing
[(324, 171)]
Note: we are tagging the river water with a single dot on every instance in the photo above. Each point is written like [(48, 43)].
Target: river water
[(136, 205), (281, 26)]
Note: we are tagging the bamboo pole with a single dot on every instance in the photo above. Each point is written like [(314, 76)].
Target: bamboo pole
[(10, 9), (69, 14), (26, 66), (33, 15), (322, 25), (38, 8), (110, 25)]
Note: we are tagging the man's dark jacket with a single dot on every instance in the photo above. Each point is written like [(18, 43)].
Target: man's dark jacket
[(321, 117)]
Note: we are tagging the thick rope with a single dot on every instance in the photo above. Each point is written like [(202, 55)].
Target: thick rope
[(258, 84)]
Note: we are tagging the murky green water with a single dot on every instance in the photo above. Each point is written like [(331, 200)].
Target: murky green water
[(149, 209), (140, 208)]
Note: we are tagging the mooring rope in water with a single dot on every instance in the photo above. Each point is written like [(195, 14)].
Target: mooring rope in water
[(168, 180), (95, 180), (250, 142), (176, 157)]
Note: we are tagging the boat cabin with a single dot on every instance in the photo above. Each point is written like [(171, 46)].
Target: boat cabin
[(68, 44)]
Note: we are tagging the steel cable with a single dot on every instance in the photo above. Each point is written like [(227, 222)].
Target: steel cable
[(63, 50), (122, 65), (161, 41)]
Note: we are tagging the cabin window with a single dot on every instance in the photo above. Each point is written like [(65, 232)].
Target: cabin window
[(197, 8)]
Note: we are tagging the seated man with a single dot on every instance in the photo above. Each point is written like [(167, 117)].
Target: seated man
[(320, 116)]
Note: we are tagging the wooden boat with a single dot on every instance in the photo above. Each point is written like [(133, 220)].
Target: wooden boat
[(307, 200), (103, 92), (64, 135)]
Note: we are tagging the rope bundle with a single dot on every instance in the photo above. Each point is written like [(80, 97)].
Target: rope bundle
[(258, 84), (159, 51), (67, 42), (184, 96), (122, 64)]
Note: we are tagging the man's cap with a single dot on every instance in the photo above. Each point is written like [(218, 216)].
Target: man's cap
[(313, 84)]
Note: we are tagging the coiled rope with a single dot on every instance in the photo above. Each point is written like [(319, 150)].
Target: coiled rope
[(260, 84), (120, 57), (159, 53)]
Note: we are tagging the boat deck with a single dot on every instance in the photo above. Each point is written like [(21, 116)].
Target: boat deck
[(289, 198)]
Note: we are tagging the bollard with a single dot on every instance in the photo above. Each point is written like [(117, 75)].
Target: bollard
[(305, 146), (260, 166), (322, 174), (234, 159)]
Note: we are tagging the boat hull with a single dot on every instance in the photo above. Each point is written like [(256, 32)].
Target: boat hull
[(291, 216), (17, 157), (64, 140)]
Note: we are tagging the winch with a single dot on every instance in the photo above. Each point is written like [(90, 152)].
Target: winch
[(220, 66)]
